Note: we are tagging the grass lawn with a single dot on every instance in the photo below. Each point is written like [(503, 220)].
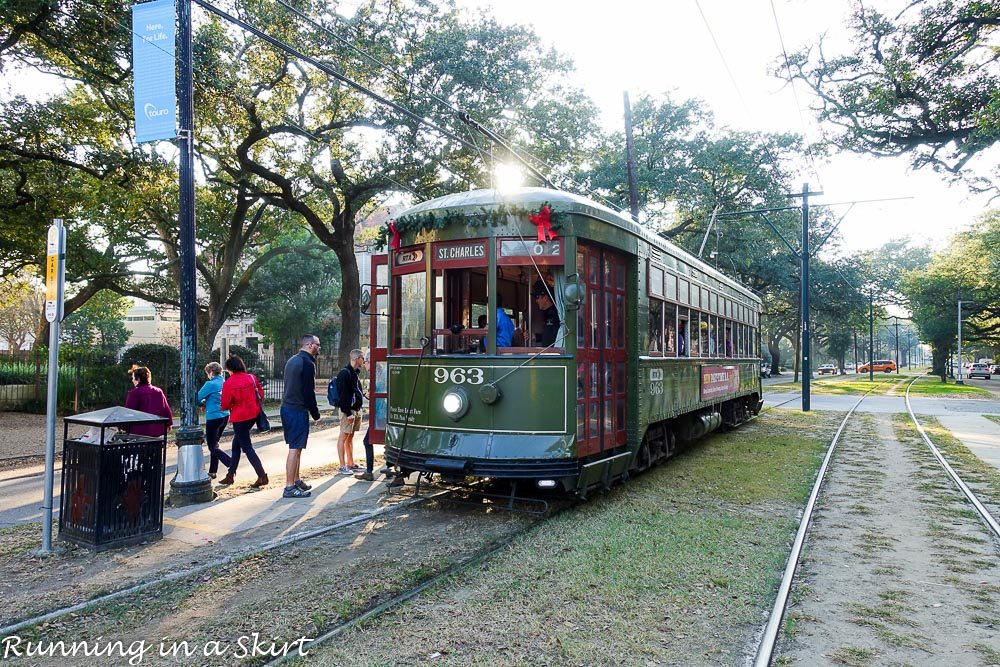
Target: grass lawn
[(931, 385), (883, 384), (675, 567)]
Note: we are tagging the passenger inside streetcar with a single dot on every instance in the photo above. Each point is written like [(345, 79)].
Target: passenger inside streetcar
[(524, 316)]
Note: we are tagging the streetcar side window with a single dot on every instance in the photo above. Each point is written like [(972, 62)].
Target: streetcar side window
[(683, 328), (670, 329), (654, 337)]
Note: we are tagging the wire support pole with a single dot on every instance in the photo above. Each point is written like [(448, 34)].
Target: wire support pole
[(804, 301), (186, 221), (190, 484)]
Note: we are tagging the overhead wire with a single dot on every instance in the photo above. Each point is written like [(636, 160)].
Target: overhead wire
[(795, 94), (732, 79), (519, 153)]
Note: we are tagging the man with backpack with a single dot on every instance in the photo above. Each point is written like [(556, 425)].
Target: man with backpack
[(298, 402), (345, 392)]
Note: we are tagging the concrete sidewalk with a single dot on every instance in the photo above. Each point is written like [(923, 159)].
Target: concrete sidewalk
[(979, 434), (22, 490)]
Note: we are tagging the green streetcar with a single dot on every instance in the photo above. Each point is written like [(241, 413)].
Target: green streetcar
[(612, 346)]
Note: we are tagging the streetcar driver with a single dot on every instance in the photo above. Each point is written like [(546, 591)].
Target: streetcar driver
[(550, 314)]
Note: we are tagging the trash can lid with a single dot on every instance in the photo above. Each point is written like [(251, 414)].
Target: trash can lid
[(114, 416)]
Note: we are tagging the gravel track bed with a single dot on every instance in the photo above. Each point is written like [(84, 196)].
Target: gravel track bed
[(897, 569)]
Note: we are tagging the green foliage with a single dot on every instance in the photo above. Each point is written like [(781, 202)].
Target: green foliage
[(163, 361), (294, 295), (967, 267), (922, 83), (99, 323)]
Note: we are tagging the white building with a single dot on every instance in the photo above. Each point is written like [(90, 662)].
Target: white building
[(152, 323)]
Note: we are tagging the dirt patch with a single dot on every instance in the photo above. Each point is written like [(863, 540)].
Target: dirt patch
[(299, 591), (896, 570), (22, 434)]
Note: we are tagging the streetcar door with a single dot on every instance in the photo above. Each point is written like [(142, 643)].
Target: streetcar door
[(378, 365), (600, 344)]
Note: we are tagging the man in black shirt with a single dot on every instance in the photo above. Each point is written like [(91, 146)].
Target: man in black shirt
[(550, 314), (298, 403)]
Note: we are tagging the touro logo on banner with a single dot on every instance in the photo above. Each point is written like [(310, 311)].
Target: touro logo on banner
[(153, 29)]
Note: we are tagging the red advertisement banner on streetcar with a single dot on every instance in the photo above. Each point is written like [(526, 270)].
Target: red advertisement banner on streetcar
[(718, 381)]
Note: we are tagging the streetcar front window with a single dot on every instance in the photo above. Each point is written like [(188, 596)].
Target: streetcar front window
[(412, 303)]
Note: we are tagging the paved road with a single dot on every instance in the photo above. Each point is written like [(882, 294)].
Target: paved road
[(888, 404)]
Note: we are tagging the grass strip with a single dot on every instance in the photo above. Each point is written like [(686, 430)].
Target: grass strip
[(675, 567)]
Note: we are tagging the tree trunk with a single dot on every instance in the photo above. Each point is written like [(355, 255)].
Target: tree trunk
[(772, 347), (939, 359), (349, 301)]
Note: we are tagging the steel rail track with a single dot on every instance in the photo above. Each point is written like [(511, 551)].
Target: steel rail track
[(412, 592), (765, 650), (454, 569), (220, 562), (984, 513)]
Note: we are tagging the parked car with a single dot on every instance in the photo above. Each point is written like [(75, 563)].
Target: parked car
[(765, 369), (849, 366), (995, 369), (979, 370), (879, 366), (827, 369)]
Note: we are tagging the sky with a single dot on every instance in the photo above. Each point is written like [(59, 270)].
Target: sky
[(721, 52)]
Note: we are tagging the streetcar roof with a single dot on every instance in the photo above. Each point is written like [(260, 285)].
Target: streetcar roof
[(567, 202)]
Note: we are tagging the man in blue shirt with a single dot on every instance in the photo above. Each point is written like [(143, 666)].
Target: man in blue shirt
[(298, 402), (505, 326)]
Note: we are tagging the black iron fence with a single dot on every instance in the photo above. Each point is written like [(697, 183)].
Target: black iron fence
[(91, 380)]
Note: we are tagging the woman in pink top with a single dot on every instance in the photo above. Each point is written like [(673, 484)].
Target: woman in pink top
[(144, 397)]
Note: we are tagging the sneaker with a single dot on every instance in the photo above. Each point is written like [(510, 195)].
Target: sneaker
[(295, 492), (366, 476), (344, 470), (299, 484)]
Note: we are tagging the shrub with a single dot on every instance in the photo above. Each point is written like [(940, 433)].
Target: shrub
[(163, 361)]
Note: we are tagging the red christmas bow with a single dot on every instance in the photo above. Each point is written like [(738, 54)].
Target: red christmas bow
[(543, 221), (395, 242)]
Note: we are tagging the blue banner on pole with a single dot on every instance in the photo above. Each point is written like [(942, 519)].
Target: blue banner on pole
[(153, 74)]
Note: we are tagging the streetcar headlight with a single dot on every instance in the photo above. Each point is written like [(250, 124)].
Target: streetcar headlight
[(455, 403)]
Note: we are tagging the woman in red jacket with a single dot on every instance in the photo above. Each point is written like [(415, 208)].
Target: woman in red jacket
[(240, 395)]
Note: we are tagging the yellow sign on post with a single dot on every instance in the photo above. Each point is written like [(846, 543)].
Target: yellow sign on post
[(55, 250)]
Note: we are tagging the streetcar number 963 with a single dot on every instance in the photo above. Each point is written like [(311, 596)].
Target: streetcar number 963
[(459, 375)]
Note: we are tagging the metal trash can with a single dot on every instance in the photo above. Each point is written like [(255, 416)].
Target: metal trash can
[(112, 481)]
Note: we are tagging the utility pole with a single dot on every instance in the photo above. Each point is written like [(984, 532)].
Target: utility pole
[(804, 257), (190, 484), (960, 302), (871, 336), (897, 343), (633, 187)]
